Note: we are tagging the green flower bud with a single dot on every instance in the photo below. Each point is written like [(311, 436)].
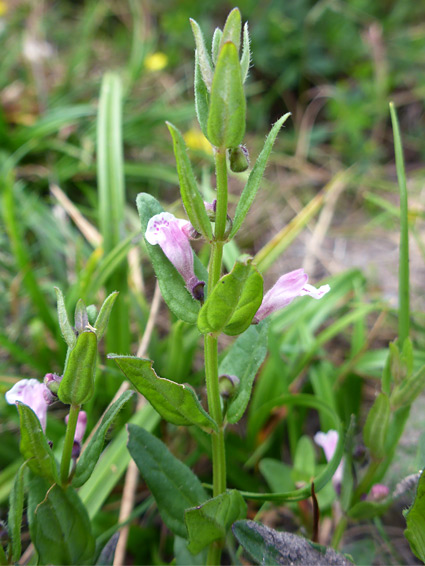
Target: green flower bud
[(239, 159)]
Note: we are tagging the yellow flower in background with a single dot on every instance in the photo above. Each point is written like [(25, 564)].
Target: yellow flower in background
[(3, 8), (196, 140), (156, 61)]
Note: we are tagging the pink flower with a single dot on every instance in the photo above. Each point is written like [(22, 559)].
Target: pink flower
[(328, 441), (285, 290), (378, 492), (32, 393), (173, 234), (80, 429)]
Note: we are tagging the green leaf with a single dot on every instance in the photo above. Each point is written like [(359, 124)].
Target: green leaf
[(277, 474), (77, 385), (81, 318), (232, 29), (34, 446), (216, 44), (244, 360), (406, 392), (248, 304), (202, 54), (175, 402), (171, 283), (59, 525), (184, 557), (254, 179), (226, 118), (267, 546), (16, 508), (201, 98), (211, 520), (102, 319), (3, 559), (304, 461), (376, 426), (230, 304), (64, 324), (173, 485), (191, 197), (246, 53), (415, 519), (91, 454)]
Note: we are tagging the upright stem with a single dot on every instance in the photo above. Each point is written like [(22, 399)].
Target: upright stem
[(69, 443), (211, 346)]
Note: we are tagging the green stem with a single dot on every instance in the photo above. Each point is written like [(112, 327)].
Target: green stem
[(211, 346), (339, 532), (69, 443)]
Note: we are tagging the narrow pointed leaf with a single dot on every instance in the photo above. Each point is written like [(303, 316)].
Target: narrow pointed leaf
[(201, 98), (171, 283), (175, 402), (246, 53), (233, 302), (254, 179), (77, 385), (173, 485), (59, 525), (218, 34), (203, 56), (406, 392), (376, 426), (232, 29), (191, 197), (211, 520), (102, 319), (64, 324), (226, 118), (34, 446), (244, 360), (16, 508), (91, 454)]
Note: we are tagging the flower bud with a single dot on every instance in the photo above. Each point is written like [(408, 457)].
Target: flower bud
[(228, 385), (239, 159)]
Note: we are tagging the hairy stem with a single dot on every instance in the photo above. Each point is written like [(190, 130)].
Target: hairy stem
[(69, 443)]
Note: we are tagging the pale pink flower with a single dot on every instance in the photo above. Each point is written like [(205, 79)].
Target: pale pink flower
[(378, 492), (32, 393), (172, 235), (285, 290), (328, 441)]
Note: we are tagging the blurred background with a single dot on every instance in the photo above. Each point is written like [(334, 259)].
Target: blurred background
[(333, 64)]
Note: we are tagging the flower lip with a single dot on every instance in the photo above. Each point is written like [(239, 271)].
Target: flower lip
[(32, 393)]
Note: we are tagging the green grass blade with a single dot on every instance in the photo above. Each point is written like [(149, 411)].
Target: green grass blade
[(403, 290)]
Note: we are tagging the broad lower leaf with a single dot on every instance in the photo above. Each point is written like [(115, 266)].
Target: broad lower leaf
[(173, 485), (184, 557), (59, 525), (102, 319), (244, 360), (228, 300), (91, 454), (77, 385), (226, 118), (255, 177), (211, 520), (191, 197), (171, 283), (34, 446), (175, 402), (376, 426), (64, 324), (267, 546), (415, 519), (16, 508)]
